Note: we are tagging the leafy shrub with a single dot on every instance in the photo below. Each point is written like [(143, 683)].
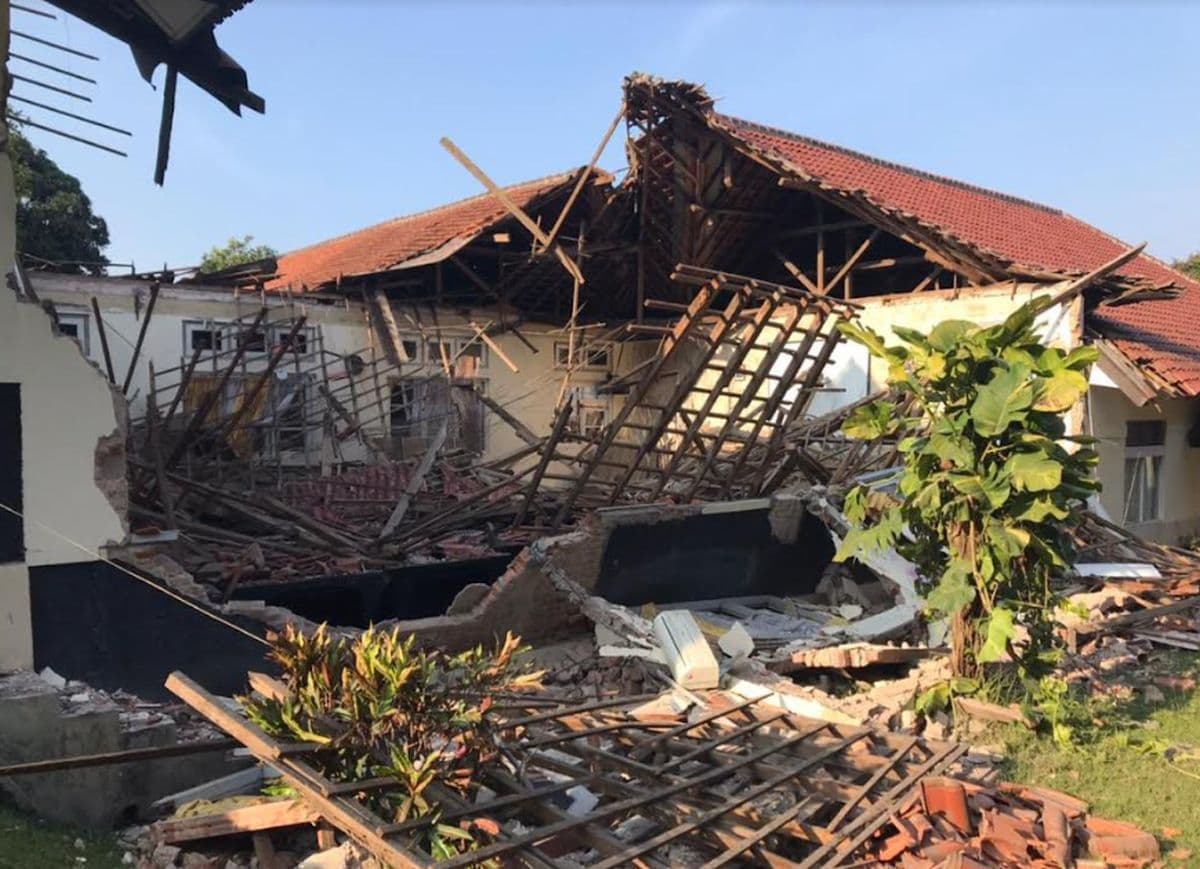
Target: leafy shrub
[(989, 490), (381, 706)]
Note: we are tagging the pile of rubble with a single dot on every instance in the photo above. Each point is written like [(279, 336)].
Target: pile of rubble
[(134, 713), (954, 823)]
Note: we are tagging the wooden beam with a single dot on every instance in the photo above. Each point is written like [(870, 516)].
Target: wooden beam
[(129, 755), (482, 335), (137, 347), (165, 124), (392, 329), (523, 431), (929, 279), (798, 273), (853, 259), (515, 210), (415, 481), (1077, 286), (103, 333), (272, 815), (587, 173)]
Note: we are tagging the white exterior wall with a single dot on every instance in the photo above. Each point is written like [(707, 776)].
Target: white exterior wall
[(1179, 495), (530, 393), (853, 370), (67, 409)]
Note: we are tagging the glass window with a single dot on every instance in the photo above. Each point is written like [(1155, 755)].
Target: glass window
[(598, 356), (1145, 442)]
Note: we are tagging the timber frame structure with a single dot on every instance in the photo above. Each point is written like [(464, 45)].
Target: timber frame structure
[(738, 781)]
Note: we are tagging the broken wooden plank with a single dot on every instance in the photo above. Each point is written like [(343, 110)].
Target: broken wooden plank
[(1077, 286), (103, 333), (984, 711), (392, 330), (141, 338), (415, 482), (513, 209), (482, 335), (523, 431), (587, 172), (271, 815)]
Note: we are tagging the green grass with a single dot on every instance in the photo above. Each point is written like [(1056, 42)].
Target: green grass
[(30, 843), (1141, 763)]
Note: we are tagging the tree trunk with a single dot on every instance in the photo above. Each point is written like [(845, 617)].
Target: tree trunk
[(964, 641)]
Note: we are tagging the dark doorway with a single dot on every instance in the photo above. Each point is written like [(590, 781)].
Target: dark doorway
[(12, 528)]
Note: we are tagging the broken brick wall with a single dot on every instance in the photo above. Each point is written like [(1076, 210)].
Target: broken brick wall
[(526, 602)]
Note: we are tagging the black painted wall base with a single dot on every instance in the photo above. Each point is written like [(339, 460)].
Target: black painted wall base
[(711, 556), (92, 622), (361, 599)]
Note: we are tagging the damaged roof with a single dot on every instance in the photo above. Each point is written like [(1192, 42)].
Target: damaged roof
[(412, 240), (1160, 335)]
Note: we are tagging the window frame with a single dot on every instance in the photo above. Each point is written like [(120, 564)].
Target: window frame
[(1141, 503), (594, 350), (215, 327), (82, 323)]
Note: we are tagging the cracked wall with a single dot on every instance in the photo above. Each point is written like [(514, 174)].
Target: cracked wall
[(68, 413)]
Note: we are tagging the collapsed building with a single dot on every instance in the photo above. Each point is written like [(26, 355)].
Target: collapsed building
[(566, 405)]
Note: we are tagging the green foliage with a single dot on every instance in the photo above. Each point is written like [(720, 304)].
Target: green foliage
[(989, 488), (380, 706), (55, 221), (940, 696), (235, 252), (1190, 266)]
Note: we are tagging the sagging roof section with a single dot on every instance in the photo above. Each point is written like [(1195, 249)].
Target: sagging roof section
[(430, 236)]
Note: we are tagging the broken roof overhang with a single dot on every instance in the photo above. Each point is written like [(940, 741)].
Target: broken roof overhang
[(1135, 383), (415, 240), (177, 33)]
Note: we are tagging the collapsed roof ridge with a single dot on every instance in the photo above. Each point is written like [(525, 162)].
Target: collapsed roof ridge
[(879, 161), (1183, 278), (445, 206)]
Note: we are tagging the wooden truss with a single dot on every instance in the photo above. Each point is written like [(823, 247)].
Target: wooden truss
[(737, 780), (708, 414)]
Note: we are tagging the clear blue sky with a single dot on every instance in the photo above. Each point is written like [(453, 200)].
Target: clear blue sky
[(1090, 107)]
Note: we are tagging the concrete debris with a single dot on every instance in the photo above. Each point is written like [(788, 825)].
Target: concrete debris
[(345, 856), (737, 642)]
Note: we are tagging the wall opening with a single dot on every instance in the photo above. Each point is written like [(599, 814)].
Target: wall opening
[(711, 555)]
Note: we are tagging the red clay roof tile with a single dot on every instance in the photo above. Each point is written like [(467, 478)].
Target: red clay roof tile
[(1163, 334), (390, 244)]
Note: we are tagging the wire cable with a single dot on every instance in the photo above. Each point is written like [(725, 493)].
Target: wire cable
[(171, 593)]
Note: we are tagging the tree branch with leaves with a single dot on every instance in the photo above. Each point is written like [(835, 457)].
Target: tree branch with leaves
[(990, 485)]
